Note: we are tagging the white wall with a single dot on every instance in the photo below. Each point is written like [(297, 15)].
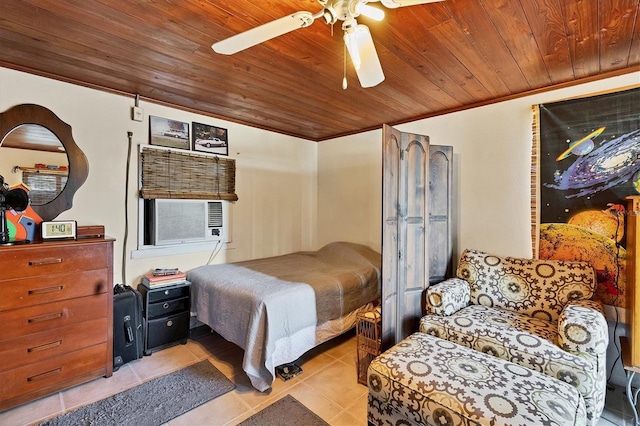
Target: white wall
[(492, 172), (275, 182), (350, 189)]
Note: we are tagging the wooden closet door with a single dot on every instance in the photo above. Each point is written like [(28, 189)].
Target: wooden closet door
[(405, 263)]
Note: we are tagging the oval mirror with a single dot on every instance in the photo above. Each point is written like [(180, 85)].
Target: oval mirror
[(33, 155), (35, 128)]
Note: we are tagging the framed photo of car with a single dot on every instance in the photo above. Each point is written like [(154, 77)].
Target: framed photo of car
[(171, 133), (211, 139)]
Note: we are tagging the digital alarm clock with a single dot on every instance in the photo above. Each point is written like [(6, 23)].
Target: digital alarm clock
[(58, 229)]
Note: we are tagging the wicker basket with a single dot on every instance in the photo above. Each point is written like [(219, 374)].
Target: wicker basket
[(368, 339)]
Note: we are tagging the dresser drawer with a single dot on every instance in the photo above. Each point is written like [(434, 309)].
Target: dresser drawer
[(168, 307), (42, 259), (51, 372), (33, 319), (23, 292), (40, 346)]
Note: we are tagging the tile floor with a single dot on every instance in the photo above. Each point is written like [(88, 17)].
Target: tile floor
[(328, 386), (617, 410)]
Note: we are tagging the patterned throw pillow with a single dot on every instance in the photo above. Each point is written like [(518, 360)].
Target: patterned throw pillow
[(538, 288)]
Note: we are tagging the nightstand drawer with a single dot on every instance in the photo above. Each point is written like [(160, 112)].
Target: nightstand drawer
[(167, 307), (25, 292), (22, 321), (162, 294), (167, 330), (42, 260)]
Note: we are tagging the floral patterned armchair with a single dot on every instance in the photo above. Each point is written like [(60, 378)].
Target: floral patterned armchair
[(535, 313)]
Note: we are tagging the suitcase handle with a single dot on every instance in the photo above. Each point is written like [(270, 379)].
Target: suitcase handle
[(128, 330)]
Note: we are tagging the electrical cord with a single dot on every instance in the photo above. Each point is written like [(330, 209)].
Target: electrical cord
[(216, 250), (617, 346), (126, 210), (615, 308)]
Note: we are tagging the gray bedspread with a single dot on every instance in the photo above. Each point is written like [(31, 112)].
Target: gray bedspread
[(261, 304)]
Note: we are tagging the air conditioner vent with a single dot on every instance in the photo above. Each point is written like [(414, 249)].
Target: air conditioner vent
[(215, 215), (186, 221)]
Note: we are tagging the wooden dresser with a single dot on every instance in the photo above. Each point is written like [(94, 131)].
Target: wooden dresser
[(56, 317)]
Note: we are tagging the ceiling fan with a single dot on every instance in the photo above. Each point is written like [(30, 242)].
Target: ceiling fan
[(357, 37)]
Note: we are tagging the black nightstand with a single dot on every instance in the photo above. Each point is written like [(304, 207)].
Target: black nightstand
[(166, 315)]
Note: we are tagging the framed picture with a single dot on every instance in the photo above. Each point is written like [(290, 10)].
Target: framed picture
[(171, 133), (210, 139)]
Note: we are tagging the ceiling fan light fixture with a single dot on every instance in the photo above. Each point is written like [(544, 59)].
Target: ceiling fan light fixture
[(369, 11), (353, 46), (363, 54)]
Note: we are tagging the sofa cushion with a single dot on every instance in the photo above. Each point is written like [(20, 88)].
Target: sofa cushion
[(430, 381), (538, 288)]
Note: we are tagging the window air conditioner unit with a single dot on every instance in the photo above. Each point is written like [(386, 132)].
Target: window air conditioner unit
[(186, 221)]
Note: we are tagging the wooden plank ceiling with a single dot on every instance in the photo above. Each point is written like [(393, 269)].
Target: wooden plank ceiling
[(437, 57)]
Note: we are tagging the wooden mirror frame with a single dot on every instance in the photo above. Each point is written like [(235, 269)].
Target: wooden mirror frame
[(78, 164)]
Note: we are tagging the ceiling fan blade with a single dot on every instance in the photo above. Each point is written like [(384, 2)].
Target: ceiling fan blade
[(364, 56), (392, 4), (264, 32)]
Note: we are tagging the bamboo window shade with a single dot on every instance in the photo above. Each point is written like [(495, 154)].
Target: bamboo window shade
[(44, 184), (183, 175)]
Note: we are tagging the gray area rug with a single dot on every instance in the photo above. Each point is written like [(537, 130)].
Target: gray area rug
[(154, 402), (285, 411)]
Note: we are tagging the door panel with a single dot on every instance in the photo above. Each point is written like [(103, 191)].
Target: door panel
[(414, 172), (390, 225), (405, 206), (440, 212)]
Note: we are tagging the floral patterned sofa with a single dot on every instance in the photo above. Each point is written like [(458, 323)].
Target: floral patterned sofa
[(534, 313)]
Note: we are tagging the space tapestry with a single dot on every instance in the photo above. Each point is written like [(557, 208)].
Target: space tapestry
[(588, 154)]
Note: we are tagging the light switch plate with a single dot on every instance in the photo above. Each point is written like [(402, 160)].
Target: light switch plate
[(137, 113)]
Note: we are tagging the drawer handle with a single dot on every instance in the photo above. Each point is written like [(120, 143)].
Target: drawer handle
[(45, 375), (165, 305), (46, 289), (47, 261), (45, 346), (45, 317)]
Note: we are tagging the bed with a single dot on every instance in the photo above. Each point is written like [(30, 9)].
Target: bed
[(278, 308)]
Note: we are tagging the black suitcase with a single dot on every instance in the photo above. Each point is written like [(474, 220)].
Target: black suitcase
[(128, 333)]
